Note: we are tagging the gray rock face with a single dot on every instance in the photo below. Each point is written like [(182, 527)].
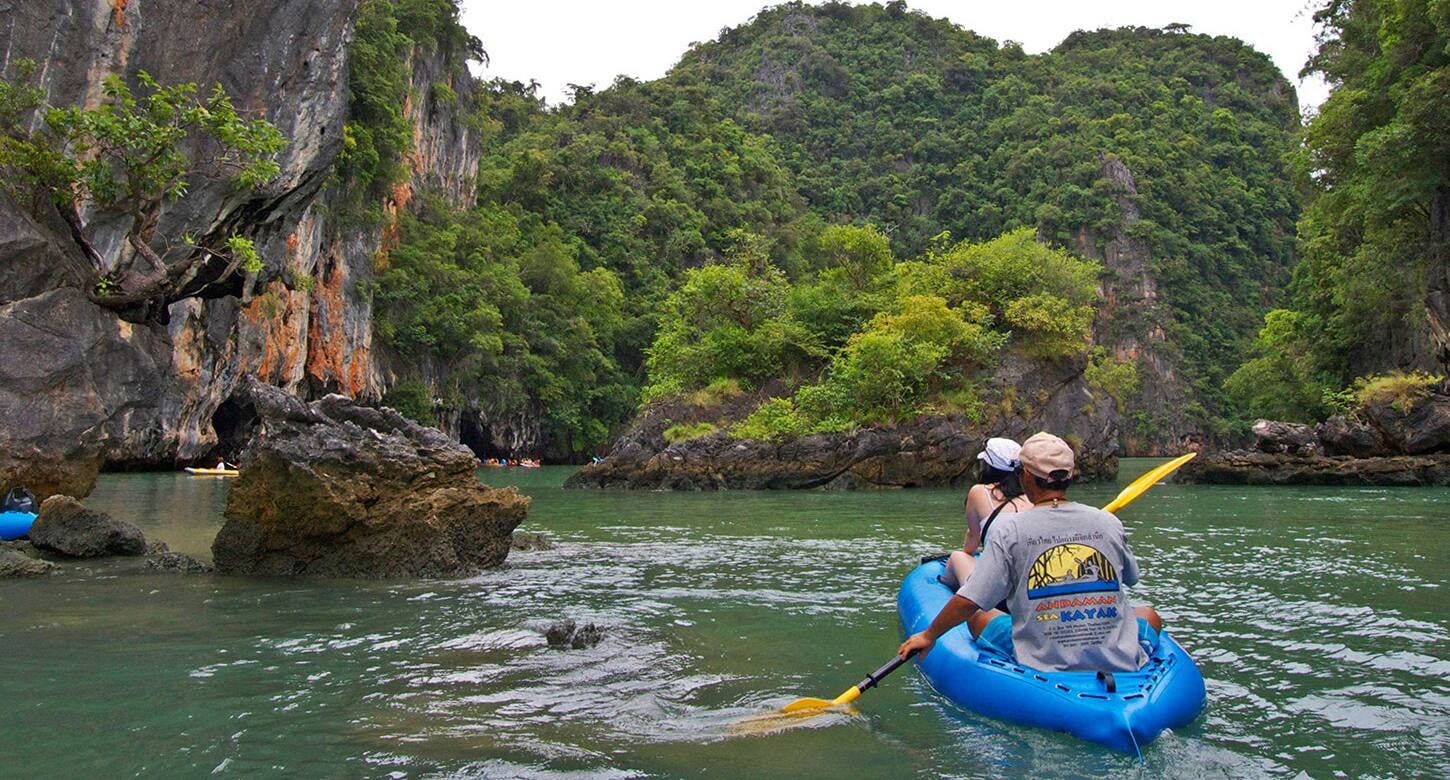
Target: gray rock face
[(930, 451), (334, 489), (1423, 429), (1271, 436), (75, 383), (156, 399), (66, 527), (1262, 468), (1340, 435)]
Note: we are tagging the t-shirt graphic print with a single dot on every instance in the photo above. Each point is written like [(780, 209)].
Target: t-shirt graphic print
[(1066, 585)]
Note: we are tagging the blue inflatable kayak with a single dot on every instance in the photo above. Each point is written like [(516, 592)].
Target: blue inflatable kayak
[(1166, 693), (14, 525)]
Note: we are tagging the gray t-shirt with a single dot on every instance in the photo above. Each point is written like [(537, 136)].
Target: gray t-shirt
[(1061, 570)]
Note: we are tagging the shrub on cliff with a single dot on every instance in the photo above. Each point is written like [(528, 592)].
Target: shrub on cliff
[(1399, 389), (126, 158)]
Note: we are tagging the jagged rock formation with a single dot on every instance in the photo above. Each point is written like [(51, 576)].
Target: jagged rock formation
[(930, 451), (149, 393), (340, 490), (1380, 444)]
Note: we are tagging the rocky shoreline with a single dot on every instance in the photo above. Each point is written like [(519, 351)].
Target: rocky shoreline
[(327, 489), (1383, 444), (930, 451)]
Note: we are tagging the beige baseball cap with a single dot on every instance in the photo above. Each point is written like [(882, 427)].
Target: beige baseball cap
[(1047, 457)]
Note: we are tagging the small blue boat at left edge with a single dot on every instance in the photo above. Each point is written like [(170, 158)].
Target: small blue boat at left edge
[(15, 525)]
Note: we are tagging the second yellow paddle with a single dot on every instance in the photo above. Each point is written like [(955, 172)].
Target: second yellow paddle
[(1140, 485)]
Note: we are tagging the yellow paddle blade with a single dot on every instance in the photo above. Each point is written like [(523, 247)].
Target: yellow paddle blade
[(800, 705), (1141, 484), (794, 714)]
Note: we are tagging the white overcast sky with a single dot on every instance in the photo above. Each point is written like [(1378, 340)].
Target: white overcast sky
[(559, 42)]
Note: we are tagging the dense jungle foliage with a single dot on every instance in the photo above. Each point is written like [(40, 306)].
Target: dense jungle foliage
[(821, 164), (1372, 289)]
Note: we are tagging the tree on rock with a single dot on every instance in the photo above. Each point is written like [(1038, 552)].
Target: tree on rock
[(127, 158)]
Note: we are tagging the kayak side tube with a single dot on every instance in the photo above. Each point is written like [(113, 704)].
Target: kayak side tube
[(1168, 692)]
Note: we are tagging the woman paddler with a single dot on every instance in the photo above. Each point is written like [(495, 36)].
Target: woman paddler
[(998, 491)]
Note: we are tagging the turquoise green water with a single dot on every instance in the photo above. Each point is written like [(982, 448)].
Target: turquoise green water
[(1318, 616)]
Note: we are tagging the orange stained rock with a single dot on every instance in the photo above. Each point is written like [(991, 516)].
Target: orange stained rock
[(331, 359), (277, 313), (118, 12)]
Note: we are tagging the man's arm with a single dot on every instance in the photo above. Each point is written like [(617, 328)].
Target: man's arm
[(957, 611)]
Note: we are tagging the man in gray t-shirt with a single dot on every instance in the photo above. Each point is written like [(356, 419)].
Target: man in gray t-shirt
[(1061, 567)]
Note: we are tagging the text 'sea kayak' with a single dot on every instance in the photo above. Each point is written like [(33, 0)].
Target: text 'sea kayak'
[(1166, 693), (14, 525), (195, 472)]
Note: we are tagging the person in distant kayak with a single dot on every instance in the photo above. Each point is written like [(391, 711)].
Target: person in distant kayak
[(997, 492), (1061, 620)]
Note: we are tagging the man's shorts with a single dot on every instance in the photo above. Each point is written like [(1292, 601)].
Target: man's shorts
[(996, 637)]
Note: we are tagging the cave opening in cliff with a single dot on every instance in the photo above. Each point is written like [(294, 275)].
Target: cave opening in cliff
[(474, 436), (233, 422)]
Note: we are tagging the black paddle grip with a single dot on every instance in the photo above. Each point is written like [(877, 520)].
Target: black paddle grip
[(887, 668)]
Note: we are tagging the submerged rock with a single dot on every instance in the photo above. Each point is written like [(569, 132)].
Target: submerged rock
[(177, 563), (66, 527), (159, 557), (336, 489), (14, 563), (567, 633), (532, 541)]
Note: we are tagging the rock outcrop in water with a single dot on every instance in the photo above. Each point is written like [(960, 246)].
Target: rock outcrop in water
[(81, 387), (936, 450), (66, 527), (1380, 444), (340, 490)]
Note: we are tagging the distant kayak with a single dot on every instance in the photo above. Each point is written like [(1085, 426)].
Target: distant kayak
[(1166, 693), (212, 472), (15, 525)]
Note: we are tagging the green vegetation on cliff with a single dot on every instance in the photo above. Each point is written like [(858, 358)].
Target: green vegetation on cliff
[(1371, 292), (728, 202), (908, 122), (867, 340)]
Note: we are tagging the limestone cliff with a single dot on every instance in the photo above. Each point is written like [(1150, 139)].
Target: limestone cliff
[(1130, 323), (152, 393)]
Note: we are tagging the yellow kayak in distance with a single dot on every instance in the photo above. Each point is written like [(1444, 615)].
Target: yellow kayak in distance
[(212, 472)]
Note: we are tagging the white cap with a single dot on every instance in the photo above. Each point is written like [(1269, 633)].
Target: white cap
[(1000, 454)]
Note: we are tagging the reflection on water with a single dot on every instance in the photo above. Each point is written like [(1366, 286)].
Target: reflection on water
[(1316, 615)]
